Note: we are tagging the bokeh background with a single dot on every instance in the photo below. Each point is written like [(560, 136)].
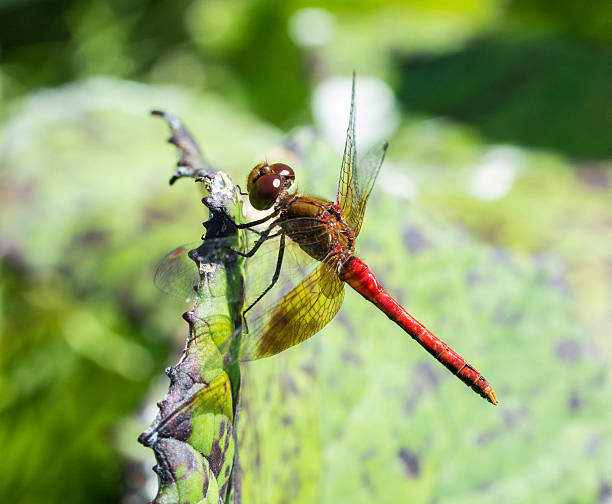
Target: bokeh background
[(491, 222)]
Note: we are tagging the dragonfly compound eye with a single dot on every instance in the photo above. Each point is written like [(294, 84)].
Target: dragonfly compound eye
[(266, 190), (284, 171)]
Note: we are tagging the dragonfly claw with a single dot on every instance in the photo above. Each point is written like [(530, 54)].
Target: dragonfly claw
[(237, 252)]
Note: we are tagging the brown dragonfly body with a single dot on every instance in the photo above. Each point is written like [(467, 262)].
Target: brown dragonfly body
[(327, 221)]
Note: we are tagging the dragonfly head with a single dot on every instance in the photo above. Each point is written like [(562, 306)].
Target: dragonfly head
[(266, 182)]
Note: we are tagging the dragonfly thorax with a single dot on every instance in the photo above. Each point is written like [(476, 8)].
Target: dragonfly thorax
[(266, 182), (317, 226)]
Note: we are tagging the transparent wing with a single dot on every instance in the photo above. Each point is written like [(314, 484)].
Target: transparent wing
[(177, 274), (346, 196), (362, 180), (357, 179)]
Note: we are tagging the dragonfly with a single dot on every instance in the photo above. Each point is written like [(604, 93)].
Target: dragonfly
[(303, 256)]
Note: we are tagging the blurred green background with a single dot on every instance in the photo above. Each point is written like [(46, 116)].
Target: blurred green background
[(491, 223)]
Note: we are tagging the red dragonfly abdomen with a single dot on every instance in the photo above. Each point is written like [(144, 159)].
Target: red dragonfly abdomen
[(358, 275)]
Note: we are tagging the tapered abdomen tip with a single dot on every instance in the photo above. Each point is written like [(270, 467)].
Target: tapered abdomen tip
[(490, 395)]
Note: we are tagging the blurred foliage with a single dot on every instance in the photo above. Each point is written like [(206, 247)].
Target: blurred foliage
[(519, 283), (592, 21), (532, 92), (241, 48)]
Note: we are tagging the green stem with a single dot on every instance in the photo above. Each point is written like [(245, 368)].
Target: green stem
[(193, 435)]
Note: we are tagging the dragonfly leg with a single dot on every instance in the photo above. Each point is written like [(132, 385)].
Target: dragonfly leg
[(251, 224), (255, 222), (279, 262), (259, 233), (264, 235)]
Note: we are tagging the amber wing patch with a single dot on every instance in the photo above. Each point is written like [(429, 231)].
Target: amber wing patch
[(302, 312)]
